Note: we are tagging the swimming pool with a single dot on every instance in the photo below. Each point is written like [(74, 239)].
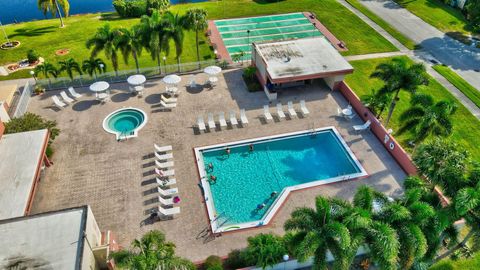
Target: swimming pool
[(248, 180), (238, 34), (125, 123)]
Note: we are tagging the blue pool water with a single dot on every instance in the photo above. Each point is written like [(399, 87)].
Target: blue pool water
[(27, 10), (125, 121), (246, 179)]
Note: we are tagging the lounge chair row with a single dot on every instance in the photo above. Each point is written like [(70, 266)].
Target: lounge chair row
[(221, 120), (281, 114), (164, 172), (168, 103), (66, 99)]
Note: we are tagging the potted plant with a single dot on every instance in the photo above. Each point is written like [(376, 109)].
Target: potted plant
[(32, 57), (39, 89)]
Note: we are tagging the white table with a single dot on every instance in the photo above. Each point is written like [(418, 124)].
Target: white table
[(212, 80), (137, 79)]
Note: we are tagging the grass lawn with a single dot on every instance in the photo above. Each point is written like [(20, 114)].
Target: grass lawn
[(465, 130), (46, 37), (467, 89), (386, 26), (462, 264), (436, 13)]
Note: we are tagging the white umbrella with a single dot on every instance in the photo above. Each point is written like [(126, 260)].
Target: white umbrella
[(99, 86), (171, 79), (136, 79), (212, 70)]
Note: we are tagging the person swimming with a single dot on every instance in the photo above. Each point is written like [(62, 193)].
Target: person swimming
[(273, 194), (213, 178), (250, 147), (260, 206), (227, 150)]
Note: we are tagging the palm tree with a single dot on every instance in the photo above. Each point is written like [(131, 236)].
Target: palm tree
[(47, 69), (70, 65), (397, 76), (196, 19), (175, 25), (130, 42), (376, 102), (92, 66), (106, 39), (265, 250), (153, 31), (151, 252), (54, 7), (425, 117), (317, 231)]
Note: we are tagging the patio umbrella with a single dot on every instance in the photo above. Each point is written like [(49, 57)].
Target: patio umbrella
[(171, 79), (212, 70)]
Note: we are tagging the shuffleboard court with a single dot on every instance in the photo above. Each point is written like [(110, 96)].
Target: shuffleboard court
[(238, 34)]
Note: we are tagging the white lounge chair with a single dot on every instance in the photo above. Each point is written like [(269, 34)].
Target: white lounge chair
[(162, 149), (340, 112), (363, 127), (168, 105), (233, 119), (58, 103), (164, 173), (243, 117), (164, 156), (303, 108), (291, 110), (164, 165), (73, 93), (266, 113), (166, 202), (280, 112), (221, 119), (201, 124), (167, 192), (211, 122), (65, 97), (169, 211), (168, 100), (166, 182)]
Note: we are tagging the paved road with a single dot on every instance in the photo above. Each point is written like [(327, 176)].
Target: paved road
[(461, 58)]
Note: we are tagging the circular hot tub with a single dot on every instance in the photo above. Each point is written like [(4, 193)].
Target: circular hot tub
[(125, 123)]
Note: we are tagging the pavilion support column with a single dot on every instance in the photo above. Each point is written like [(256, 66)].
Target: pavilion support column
[(333, 82)]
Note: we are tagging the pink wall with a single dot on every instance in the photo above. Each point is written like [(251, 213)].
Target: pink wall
[(402, 158), (2, 128)]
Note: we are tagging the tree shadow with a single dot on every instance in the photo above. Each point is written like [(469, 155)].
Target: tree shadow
[(267, 2), (111, 16), (32, 32)]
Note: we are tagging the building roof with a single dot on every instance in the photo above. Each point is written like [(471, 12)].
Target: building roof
[(20, 156), (301, 59), (6, 93), (52, 240)]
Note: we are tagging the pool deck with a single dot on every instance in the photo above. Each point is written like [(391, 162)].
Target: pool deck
[(116, 178)]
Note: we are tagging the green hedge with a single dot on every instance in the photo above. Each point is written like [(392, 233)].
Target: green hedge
[(130, 8)]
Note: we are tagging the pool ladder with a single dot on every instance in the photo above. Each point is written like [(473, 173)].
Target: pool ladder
[(313, 132), (124, 133)]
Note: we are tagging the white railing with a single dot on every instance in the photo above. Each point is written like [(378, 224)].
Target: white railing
[(122, 75), (22, 104)]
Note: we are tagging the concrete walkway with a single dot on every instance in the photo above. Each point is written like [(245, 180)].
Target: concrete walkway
[(463, 59), (374, 55)]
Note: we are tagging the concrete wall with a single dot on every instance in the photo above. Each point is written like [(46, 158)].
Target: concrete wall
[(4, 112), (389, 142), (94, 236)]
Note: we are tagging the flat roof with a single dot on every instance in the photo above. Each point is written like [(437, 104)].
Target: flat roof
[(6, 93), (20, 154), (52, 240), (305, 58)]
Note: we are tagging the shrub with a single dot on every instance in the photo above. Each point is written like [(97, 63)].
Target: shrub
[(160, 5), (250, 79), (130, 8), (237, 259), (32, 56), (49, 151), (213, 263), (30, 121)]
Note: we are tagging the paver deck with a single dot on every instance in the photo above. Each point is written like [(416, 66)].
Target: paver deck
[(115, 178)]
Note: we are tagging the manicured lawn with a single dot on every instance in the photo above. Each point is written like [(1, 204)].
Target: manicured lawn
[(46, 37), (462, 264), (467, 89), (436, 13), (465, 132), (386, 26)]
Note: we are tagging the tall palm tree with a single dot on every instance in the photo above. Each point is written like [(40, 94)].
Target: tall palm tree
[(151, 252), (265, 250), (47, 69), (106, 40), (175, 25), (92, 66), (376, 102), (196, 19), (397, 76), (54, 7), (317, 231), (425, 117), (153, 31), (70, 65), (130, 42)]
